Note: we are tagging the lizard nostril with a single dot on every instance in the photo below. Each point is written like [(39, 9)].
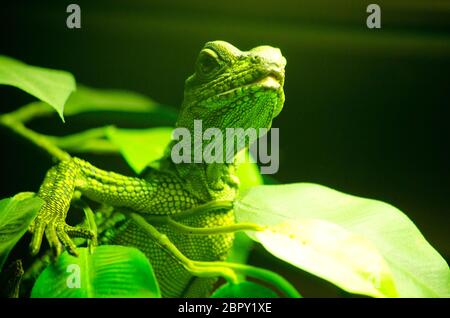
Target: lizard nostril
[(270, 55)]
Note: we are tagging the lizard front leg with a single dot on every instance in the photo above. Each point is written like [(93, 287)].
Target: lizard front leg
[(164, 195)]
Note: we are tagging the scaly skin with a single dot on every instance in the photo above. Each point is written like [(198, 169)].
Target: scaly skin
[(229, 89)]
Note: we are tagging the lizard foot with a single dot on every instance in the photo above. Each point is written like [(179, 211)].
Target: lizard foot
[(57, 191), (58, 234)]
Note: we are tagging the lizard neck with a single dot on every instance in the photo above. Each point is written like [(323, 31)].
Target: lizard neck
[(214, 181), (206, 181)]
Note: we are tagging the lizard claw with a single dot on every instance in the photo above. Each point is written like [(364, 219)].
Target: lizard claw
[(39, 229), (36, 240), (65, 239), (72, 231), (52, 237), (58, 235), (57, 191)]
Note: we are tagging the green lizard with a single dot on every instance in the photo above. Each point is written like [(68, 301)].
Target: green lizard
[(229, 89)]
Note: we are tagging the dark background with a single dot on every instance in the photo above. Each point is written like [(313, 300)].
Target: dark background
[(366, 111)]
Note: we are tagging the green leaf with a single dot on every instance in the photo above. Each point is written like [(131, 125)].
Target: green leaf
[(247, 171), (333, 253), (244, 290), (48, 85), (249, 176), (140, 147), (242, 246), (16, 214), (87, 99), (111, 271), (304, 218)]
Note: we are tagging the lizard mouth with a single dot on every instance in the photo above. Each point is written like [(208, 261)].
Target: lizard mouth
[(273, 79), (276, 75), (270, 81)]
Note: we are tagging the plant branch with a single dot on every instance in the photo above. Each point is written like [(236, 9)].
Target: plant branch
[(262, 274), (164, 242), (31, 111), (91, 140), (213, 269), (10, 121), (213, 230), (207, 207)]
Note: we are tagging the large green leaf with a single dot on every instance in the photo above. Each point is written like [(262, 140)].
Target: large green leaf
[(304, 219), (48, 85), (111, 271), (140, 147), (249, 176), (91, 100), (87, 99), (244, 290), (242, 246), (247, 171), (333, 253), (16, 214)]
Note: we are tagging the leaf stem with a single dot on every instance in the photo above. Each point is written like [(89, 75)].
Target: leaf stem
[(213, 269), (10, 121), (193, 267), (31, 111), (91, 140), (207, 207), (274, 279), (213, 230), (90, 219)]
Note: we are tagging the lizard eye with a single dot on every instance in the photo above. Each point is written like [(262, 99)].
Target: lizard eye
[(207, 62)]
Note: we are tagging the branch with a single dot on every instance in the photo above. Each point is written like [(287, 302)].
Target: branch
[(92, 140), (213, 230), (213, 269), (13, 121)]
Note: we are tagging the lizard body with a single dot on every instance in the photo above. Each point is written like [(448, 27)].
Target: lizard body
[(229, 89)]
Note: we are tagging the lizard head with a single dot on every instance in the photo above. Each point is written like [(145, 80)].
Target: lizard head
[(234, 89)]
